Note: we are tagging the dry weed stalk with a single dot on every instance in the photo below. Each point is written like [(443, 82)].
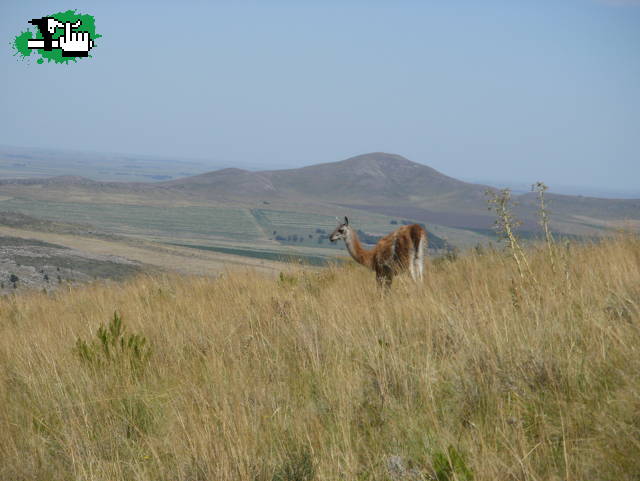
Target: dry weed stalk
[(540, 188), (500, 202), (566, 252)]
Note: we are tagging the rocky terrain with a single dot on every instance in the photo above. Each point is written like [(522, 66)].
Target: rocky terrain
[(33, 264)]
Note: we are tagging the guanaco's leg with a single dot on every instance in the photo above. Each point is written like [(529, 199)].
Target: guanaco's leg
[(420, 259), (384, 276)]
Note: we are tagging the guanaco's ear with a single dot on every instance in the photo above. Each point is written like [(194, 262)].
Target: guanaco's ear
[(346, 220)]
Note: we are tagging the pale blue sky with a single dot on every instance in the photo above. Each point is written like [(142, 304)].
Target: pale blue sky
[(500, 90)]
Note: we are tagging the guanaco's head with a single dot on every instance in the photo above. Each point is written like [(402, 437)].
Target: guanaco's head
[(341, 231)]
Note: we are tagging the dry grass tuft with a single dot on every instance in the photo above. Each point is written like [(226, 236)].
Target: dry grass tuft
[(476, 374)]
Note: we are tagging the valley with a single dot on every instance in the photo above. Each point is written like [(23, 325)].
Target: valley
[(233, 217)]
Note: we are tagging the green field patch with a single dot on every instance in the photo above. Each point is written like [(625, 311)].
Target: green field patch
[(300, 220), (266, 255), (237, 224)]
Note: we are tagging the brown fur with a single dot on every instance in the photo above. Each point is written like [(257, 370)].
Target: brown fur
[(392, 255)]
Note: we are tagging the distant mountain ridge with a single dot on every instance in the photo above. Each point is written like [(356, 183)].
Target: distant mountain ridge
[(377, 174), (58, 179), (377, 182)]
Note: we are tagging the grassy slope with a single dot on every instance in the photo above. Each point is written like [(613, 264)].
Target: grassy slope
[(319, 376)]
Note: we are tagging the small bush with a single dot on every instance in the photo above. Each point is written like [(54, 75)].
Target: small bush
[(114, 346), (287, 280)]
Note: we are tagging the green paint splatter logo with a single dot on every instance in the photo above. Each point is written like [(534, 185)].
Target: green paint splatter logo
[(60, 38)]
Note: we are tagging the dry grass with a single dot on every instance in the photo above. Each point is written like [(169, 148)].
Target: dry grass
[(475, 374)]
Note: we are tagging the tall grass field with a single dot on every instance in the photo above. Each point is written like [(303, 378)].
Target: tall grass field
[(485, 371)]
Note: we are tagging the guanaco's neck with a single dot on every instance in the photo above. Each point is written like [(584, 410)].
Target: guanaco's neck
[(359, 253)]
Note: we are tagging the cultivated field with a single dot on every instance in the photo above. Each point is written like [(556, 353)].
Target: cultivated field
[(143, 220), (253, 233), (481, 373)]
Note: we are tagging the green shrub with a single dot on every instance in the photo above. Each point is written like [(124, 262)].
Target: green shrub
[(114, 346), (287, 280)]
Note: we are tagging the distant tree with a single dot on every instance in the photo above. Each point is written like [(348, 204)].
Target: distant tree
[(294, 237), (393, 222), (321, 231), (280, 238), (46, 277), (310, 236), (320, 240), (13, 278)]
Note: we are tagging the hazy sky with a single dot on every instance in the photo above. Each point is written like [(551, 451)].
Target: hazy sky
[(501, 90)]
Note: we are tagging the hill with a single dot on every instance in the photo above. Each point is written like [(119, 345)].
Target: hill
[(478, 373), (371, 176), (393, 185), (375, 176)]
